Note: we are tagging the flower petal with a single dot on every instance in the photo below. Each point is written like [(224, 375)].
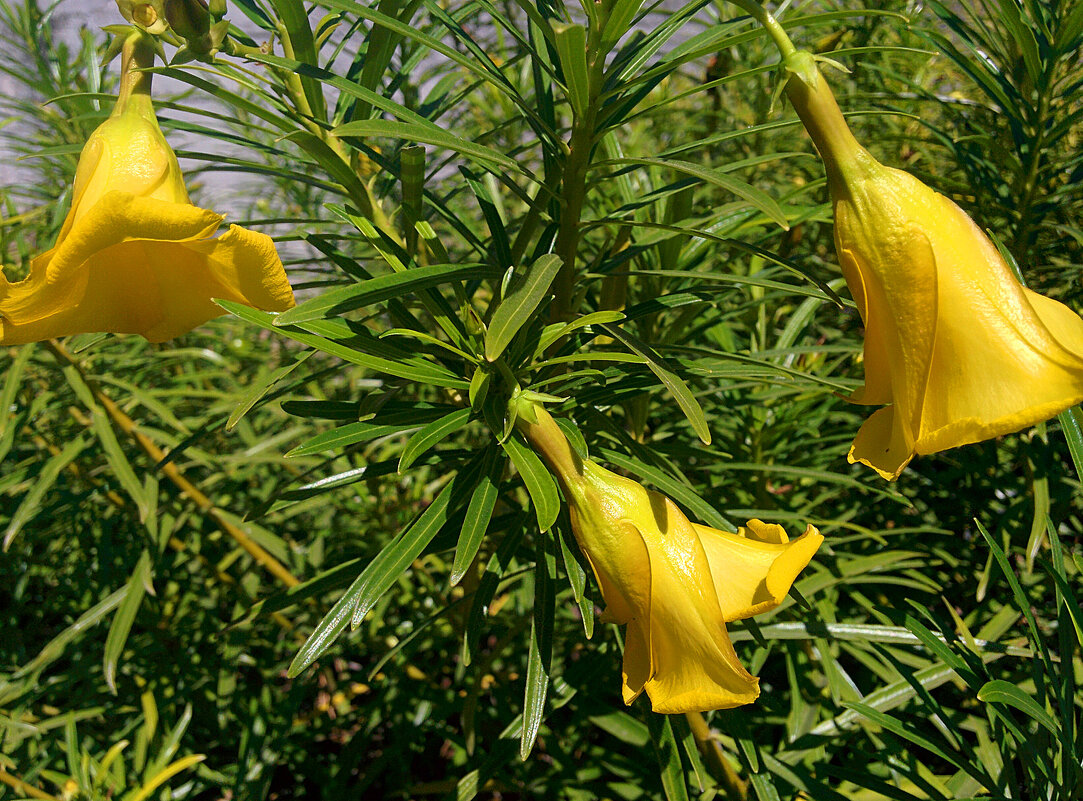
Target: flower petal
[(637, 659), (58, 278), (693, 666), (126, 278), (881, 444), (754, 568), (241, 266), (877, 361), (1006, 358), (898, 268)]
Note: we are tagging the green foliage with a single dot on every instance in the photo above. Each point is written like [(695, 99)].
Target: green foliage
[(307, 554)]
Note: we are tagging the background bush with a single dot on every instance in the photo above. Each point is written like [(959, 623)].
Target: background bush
[(180, 519)]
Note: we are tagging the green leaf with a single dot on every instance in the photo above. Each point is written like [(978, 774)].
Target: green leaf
[(669, 757), (540, 655), (571, 42), (478, 514), (673, 382), (365, 431), (909, 734), (757, 197), (495, 569), (518, 306), (418, 369), (392, 561), (118, 461), (55, 648), (624, 727), (412, 132), (1071, 422), (431, 435), (42, 483), (12, 379), (333, 302), (999, 691), (620, 21), (121, 626), (260, 388), (539, 483)]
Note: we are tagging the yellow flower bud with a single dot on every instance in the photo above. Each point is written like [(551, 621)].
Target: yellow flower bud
[(148, 16), (134, 255), (955, 348), (674, 583)]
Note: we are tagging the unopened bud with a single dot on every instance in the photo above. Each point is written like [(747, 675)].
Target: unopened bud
[(189, 19), (148, 16)]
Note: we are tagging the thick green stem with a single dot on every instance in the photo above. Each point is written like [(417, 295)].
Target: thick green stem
[(573, 192), (574, 180), (843, 156), (549, 442), (1028, 189), (732, 785)]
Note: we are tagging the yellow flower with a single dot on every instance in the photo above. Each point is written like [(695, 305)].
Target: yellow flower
[(134, 256), (674, 583), (955, 347)]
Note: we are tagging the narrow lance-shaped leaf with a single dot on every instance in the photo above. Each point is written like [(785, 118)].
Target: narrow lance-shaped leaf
[(260, 388), (412, 132), (386, 568), (571, 41), (12, 378), (411, 369), (383, 571), (999, 691), (669, 757), (121, 626), (478, 515), (43, 482), (431, 435), (494, 570), (384, 287), (540, 656), (673, 382), (757, 197), (518, 306), (539, 483)]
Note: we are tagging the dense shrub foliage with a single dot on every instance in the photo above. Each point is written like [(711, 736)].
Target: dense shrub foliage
[(191, 528)]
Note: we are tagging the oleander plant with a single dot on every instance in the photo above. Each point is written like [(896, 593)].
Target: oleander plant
[(541, 399)]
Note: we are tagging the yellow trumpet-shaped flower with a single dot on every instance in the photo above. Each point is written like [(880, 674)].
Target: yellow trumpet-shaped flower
[(134, 255), (674, 583), (955, 348)]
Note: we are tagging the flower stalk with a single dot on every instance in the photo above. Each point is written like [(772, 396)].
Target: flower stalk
[(574, 178)]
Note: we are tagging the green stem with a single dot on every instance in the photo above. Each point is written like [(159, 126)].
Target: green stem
[(1021, 241), (574, 181), (136, 56), (291, 81), (732, 785), (773, 26)]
